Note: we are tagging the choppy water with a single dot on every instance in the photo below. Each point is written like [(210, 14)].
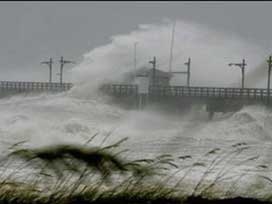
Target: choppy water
[(50, 119), (75, 116)]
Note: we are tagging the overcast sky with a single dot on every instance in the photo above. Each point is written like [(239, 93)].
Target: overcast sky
[(34, 31)]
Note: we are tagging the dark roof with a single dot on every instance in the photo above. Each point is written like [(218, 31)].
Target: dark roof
[(149, 71), (144, 71)]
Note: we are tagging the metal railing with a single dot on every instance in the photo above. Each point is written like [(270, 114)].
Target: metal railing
[(120, 89), (185, 91), (34, 86), (218, 92)]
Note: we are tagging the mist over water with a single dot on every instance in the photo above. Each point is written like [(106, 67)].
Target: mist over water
[(75, 116), (211, 51)]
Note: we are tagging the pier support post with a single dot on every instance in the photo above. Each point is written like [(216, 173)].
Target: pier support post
[(269, 61), (211, 113), (142, 90), (142, 101), (210, 108)]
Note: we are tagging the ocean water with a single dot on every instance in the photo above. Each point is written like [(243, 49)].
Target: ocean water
[(75, 116)]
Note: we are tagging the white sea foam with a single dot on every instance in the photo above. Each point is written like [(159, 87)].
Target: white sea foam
[(75, 116)]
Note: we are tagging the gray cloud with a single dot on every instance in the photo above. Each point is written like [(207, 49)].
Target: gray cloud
[(34, 31)]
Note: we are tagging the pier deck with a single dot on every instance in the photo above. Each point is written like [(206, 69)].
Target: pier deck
[(21, 86), (185, 91), (216, 99)]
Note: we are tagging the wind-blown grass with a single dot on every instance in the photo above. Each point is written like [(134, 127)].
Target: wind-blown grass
[(121, 180), (60, 155)]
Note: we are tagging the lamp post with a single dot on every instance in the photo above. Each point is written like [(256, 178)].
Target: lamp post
[(62, 62), (135, 54), (172, 47), (135, 59), (49, 63), (242, 66), (153, 62), (188, 72), (188, 64), (269, 61)]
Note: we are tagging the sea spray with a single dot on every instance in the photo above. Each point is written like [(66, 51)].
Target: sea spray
[(211, 52), (77, 115), (52, 117)]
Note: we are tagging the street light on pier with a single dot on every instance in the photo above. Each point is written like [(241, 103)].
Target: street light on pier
[(62, 62), (135, 59), (49, 63), (188, 64), (242, 66), (188, 72), (153, 62), (269, 61)]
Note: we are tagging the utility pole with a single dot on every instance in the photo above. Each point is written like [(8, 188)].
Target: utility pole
[(188, 64), (242, 66), (269, 61), (188, 72), (62, 62), (153, 70), (135, 44), (49, 63), (172, 47), (135, 59)]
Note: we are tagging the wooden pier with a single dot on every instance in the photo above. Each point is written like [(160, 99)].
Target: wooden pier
[(34, 86), (216, 99), (185, 91), (9, 88)]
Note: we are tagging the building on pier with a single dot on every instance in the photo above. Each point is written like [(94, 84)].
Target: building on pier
[(155, 77)]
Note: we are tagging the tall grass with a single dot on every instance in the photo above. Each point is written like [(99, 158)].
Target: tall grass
[(90, 174)]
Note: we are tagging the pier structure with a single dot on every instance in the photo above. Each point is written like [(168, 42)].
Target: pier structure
[(216, 99), (149, 86), (34, 86), (16, 87)]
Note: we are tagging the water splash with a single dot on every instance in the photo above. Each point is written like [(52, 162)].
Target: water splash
[(75, 116), (211, 52)]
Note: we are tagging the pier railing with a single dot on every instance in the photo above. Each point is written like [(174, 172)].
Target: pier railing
[(120, 89), (185, 91), (251, 93), (34, 86), (132, 89)]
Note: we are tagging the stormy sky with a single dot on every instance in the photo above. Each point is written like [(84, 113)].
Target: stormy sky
[(31, 32)]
